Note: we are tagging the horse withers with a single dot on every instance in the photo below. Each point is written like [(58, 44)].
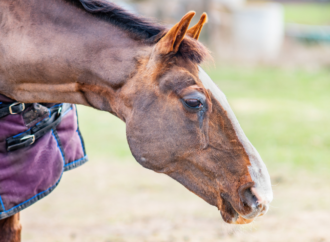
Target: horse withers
[(178, 121)]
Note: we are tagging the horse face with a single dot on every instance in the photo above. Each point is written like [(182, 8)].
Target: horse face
[(181, 125)]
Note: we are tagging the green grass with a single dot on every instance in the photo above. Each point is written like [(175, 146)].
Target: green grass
[(316, 14), (103, 133), (285, 114)]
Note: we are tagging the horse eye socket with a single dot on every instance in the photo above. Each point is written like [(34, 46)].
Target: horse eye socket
[(193, 103)]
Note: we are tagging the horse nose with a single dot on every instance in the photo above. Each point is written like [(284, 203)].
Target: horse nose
[(248, 196), (251, 197), (260, 199), (250, 200)]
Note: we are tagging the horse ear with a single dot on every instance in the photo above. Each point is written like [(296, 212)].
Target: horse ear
[(195, 31), (172, 40)]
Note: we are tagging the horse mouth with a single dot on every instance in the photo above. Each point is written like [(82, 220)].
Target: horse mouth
[(231, 216)]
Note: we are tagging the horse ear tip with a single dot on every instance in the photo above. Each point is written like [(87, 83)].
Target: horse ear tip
[(204, 18), (191, 14)]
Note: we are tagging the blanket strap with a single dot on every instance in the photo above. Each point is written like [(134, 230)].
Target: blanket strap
[(29, 137), (11, 108)]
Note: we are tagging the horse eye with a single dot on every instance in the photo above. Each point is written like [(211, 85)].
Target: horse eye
[(193, 103)]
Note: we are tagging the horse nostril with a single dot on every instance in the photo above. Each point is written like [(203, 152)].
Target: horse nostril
[(250, 199), (248, 196), (260, 200), (254, 203)]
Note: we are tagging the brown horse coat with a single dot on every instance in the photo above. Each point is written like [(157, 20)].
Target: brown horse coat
[(179, 123)]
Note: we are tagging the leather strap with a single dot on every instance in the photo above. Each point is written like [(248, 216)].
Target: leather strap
[(36, 132), (11, 108)]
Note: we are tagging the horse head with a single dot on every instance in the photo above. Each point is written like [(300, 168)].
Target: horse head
[(178, 121), (181, 124)]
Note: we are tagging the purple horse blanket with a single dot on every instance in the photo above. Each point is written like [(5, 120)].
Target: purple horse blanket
[(38, 142)]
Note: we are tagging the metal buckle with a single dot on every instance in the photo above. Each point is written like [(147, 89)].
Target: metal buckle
[(59, 111), (15, 104), (28, 137)]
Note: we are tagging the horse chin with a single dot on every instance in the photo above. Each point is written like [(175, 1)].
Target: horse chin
[(242, 220), (236, 219)]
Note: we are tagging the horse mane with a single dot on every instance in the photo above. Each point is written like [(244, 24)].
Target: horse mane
[(141, 28)]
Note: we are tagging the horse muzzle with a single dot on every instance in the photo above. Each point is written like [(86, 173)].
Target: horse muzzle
[(250, 206)]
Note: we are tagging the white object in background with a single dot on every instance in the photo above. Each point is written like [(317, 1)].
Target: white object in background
[(258, 30), (231, 4), (125, 5)]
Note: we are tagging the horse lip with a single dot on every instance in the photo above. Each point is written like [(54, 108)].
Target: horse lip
[(236, 215), (252, 215), (235, 218), (255, 211)]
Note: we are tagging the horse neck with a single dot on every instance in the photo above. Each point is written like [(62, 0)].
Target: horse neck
[(55, 52)]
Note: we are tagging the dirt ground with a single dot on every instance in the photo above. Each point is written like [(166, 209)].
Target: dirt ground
[(109, 201)]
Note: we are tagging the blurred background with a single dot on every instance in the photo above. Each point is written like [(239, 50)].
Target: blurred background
[(272, 60)]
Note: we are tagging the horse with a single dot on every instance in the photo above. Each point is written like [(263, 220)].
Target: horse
[(178, 122)]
